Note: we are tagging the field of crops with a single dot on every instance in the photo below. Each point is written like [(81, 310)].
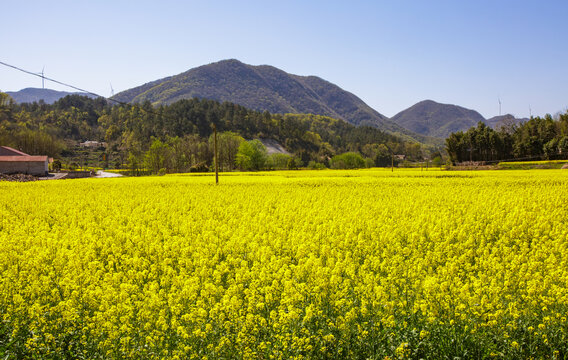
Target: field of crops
[(367, 264), (527, 165)]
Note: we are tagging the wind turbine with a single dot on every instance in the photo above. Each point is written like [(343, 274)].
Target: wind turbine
[(499, 99), (42, 77), (111, 90)]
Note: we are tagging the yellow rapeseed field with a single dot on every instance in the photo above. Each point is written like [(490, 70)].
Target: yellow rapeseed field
[(367, 264)]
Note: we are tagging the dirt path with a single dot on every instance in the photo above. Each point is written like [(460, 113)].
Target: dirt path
[(53, 176), (104, 174)]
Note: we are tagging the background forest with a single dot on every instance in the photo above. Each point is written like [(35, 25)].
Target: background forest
[(538, 138), (178, 137)]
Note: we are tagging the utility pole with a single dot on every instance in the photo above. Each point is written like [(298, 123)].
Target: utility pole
[(216, 154), (392, 157)]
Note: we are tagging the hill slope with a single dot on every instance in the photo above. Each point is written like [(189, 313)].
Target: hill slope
[(30, 95), (504, 120), (438, 120), (262, 88)]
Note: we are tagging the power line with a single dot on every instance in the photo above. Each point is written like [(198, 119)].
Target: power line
[(62, 83), (153, 112), (41, 75), (104, 97), (149, 111)]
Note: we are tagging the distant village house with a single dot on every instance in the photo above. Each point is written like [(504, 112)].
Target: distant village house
[(13, 161), (92, 144)]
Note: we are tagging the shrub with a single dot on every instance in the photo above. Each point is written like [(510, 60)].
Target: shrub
[(348, 160), (278, 161), (294, 163), (316, 165)]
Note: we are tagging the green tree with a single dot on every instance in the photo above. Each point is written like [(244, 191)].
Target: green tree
[(228, 144), (383, 156), (316, 165), (197, 151), (550, 149), (36, 142), (6, 105), (112, 133), (371, 150), (563, 146), (480, 143), (179, 161), (294, 163), (530, 137), (437, 161), (279, 161), (251, 155), (157, 156)]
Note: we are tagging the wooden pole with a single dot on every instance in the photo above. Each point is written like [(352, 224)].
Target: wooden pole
[(216, 154)]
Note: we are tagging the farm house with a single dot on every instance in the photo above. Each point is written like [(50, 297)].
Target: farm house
[(13, 161)]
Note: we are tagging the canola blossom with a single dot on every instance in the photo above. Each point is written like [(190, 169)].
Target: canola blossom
[(366, 264)]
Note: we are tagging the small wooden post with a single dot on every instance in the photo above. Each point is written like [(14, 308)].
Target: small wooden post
[(392, 162), (216, 154)]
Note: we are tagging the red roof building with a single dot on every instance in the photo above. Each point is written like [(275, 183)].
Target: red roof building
[(8, 151), (13, 161)]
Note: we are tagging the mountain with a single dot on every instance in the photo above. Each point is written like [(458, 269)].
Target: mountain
[(263, 88), (438, 120), (504, 120), (30, 95)]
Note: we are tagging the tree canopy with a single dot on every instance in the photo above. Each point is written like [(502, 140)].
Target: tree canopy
[(184, 128), (538, 138)]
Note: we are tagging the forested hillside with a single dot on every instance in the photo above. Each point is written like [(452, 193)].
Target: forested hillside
[(179, 134), (434, 119), (264, 88)]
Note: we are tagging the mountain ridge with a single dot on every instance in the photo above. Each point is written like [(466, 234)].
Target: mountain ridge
[(496, 122), (263, 87), (49, 96), (435, 119)]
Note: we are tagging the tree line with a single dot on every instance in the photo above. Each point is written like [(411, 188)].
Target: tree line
[(178, 137), (538, 138)]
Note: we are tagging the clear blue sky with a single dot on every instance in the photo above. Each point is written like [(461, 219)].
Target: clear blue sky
[(391, 54)]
